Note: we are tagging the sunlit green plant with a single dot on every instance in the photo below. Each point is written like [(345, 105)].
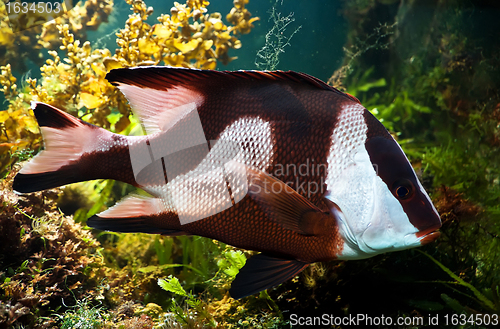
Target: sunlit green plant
[(198, 313), (83, 315), (231, 262)]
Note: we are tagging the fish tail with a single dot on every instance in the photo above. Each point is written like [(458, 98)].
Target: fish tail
[(74, 151)]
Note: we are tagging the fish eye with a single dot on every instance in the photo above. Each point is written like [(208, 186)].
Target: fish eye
[(403, 189)]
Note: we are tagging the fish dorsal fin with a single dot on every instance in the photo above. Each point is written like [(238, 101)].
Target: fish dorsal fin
[(158, 106), (262, 272), (162, 95), (165, 77), (286, 207)]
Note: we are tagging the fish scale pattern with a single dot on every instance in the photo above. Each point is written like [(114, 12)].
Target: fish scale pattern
[(220, 179), (199, 193), (350, 169), (251, 137), (253, 141), (348, 135)]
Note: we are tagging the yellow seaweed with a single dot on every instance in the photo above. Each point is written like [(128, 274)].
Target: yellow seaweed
[(32, 36), (188, 37)]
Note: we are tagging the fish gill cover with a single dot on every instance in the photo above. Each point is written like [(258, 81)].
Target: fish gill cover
[(433, 85)]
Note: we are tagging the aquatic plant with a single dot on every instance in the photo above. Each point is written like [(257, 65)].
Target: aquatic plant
[(491, 304), (47, 258), (231, 262), (199, 309), (82, 315), (187, 37), (276, 40), (378, 39), (24, 35), (137, 322), (18, 130), (199, 312)]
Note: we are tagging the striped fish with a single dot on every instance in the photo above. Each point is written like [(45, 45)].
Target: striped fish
[(276, 162)]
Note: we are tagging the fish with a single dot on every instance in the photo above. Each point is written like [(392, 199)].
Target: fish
[(276, 162)]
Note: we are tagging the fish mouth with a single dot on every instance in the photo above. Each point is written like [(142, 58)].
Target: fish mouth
[(429, 237), (428, 234)]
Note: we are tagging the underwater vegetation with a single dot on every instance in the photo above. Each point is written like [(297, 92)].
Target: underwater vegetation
[(17, 48), (277, 38), (46, 257), (428, 71)]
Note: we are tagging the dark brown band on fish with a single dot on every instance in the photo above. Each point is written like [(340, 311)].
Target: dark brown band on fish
[(374, 128), (391, 165), (112, 164)]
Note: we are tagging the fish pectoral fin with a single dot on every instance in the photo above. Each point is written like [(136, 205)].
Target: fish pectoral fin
[(262, 272), (285, 206), (136, 214)]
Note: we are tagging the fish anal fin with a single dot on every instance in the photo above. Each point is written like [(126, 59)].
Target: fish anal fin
[(130, 225), (135, 206), (138, 214), (262, 272), (286, 207)]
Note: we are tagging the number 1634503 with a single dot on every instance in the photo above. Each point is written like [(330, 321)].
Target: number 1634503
[(33, 8)]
